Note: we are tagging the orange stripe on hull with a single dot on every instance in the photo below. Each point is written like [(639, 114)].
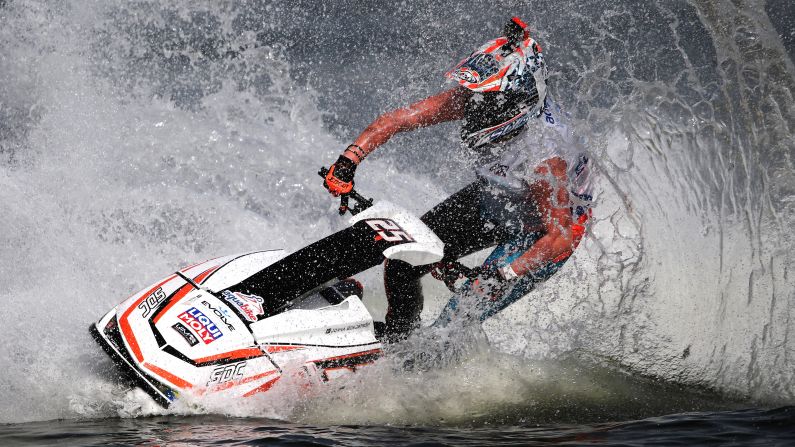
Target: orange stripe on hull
[(277, 348), (196, 264), (347, 356), (179, 383), (246, 353), (203, 275), (178, 296), (184, 291), (262, 388)]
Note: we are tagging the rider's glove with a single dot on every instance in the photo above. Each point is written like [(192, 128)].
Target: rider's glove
[(339, 179)]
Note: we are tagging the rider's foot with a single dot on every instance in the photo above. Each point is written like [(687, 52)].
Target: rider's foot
[(390, 333)]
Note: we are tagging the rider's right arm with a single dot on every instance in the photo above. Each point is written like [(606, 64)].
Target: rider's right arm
[(445, 106), (551, 197)]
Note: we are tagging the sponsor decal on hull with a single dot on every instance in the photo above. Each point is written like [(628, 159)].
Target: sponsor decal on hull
[(388, 230), (248, 305), (201, 325), (151, 302), (185, 333), (221, 313), (348, 328), (225, 373)]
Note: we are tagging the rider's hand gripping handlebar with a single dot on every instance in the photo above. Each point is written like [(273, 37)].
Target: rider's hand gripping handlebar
[(361, 202)]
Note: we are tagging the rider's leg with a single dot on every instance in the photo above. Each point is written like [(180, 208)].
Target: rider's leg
[(506, 253), (523, 286), (459, 224), (463, 300), (404, 296)]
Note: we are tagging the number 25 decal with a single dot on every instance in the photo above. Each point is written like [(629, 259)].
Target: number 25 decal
[(389, 230)]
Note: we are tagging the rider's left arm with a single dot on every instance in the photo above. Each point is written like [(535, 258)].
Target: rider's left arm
[(552, 197)]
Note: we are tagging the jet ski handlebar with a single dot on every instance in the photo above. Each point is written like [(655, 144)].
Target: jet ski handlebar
[(362, 203)]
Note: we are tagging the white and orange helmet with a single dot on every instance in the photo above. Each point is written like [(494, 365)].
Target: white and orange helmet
[(511, 71)]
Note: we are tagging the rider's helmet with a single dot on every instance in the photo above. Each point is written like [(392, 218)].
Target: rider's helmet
[(508, 76)]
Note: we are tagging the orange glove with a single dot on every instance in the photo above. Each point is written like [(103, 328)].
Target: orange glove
[(339, 179)]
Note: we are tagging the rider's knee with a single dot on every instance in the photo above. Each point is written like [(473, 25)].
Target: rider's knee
[(395, 270)]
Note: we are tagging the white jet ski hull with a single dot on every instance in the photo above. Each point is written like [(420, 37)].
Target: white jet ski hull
[(229, 326)]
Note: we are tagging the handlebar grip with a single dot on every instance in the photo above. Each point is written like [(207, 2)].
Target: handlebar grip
[(362, 203), (343, 204)]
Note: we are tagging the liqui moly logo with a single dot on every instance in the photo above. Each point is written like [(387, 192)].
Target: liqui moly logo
[(199, 323), (248, 305)]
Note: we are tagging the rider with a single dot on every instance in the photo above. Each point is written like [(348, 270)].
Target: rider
[(532, 194)]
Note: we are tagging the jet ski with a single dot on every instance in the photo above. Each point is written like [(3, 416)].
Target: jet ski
[(230, 326)]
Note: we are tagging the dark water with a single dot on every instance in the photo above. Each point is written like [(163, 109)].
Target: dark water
[(738, 428)]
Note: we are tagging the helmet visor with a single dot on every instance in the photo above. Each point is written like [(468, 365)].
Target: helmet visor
[(475, 69)]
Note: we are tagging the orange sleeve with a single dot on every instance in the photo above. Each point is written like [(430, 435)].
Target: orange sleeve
[(445, 106), (552, 199)]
